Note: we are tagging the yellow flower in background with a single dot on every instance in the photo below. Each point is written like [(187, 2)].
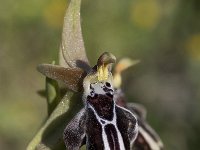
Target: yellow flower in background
[(54, 13), (193, 46), (146, 13)]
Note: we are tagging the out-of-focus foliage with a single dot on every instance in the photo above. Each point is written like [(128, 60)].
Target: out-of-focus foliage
[(145, 13), (164, 35), (193, 46)]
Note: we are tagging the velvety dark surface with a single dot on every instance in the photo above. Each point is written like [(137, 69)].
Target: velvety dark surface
[(164, 35)]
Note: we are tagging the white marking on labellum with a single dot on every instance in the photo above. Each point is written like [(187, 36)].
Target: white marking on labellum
[(152, 144), (136, 126), (99, 88), (96, 87), (106, 122), (136, 134), (158, 141)]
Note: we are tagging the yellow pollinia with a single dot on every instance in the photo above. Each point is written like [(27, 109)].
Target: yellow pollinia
[(102, 72)]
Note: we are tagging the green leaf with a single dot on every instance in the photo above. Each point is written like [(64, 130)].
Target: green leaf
[(52, 94), (50, 134)]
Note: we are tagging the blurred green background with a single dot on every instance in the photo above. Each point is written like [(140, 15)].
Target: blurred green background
[(164, 35)]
